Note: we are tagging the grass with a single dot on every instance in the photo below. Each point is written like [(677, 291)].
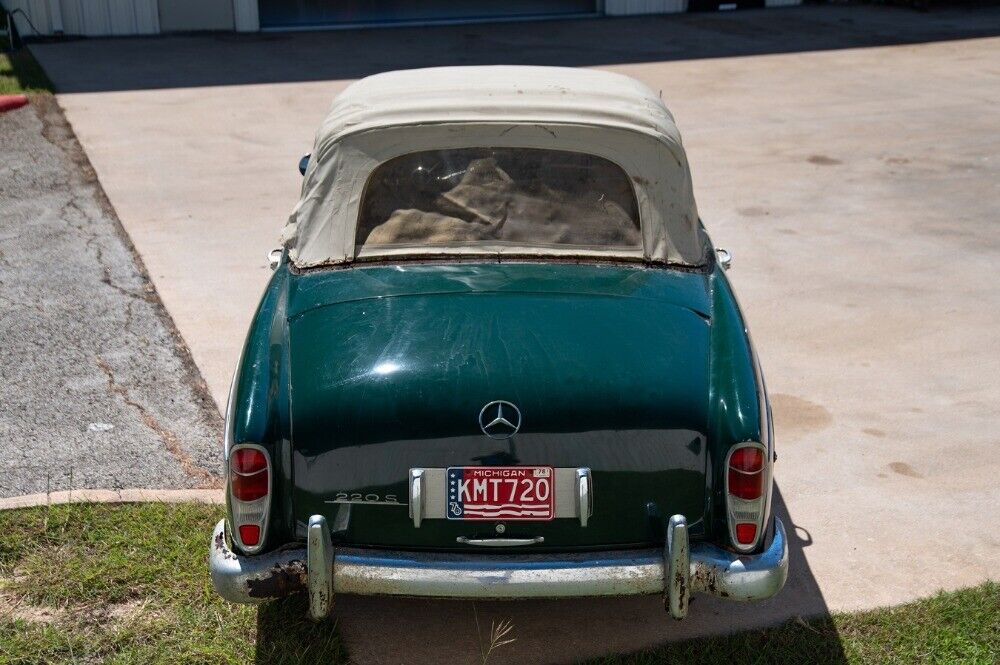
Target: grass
[(958, 627), (90, 583), (129, 584), (20, 73)]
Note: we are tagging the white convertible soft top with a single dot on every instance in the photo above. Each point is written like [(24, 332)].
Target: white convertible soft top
[(577, 110)]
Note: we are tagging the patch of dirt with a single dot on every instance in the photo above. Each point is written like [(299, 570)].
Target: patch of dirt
[(904, 469), (874, 431), (795, 416), (823, 160), (14, 608), (120, 612), (753, 211)]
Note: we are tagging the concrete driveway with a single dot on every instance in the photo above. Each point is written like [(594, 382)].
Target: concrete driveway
[(847, 156)]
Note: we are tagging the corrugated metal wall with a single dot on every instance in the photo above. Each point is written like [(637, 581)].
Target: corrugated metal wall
[(91, 18), (633, 7), (38, 13), (99, 18), (245, 15)]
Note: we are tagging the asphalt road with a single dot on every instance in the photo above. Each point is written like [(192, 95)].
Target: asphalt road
[(97, 390)]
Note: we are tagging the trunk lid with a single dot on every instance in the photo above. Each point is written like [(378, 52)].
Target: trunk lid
[(390, 368)]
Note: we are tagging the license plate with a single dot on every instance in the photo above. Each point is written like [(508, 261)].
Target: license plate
[(501, 493)]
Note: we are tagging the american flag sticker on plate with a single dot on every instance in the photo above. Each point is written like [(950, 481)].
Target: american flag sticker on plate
[(501, 493)]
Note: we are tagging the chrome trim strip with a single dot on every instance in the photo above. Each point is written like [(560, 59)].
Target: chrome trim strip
[(252, 579), (584, 495), (227, 423), (417, 494), (766, 423), (320, 562), (500, 542)]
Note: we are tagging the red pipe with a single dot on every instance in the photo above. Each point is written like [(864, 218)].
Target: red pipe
[(11, 102)]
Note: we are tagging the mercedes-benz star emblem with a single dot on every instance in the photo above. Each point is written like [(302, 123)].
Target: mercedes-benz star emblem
[(500, 420)]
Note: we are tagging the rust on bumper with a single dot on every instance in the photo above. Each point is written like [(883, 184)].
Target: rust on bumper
[(254, 579), (711, 570)]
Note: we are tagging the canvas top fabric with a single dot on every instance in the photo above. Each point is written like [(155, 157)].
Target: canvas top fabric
[(447, 110)]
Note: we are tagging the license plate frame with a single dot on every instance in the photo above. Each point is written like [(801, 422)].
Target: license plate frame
[(500, 493)]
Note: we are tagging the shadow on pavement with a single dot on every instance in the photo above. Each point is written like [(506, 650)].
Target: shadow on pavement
[(98, 65), (547, 631)]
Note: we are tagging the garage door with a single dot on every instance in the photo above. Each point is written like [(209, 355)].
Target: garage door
[(302, 13)]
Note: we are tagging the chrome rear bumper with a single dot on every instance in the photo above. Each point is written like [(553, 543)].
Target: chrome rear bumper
[(709, 569)]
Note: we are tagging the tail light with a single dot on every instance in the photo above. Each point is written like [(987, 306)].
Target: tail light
[(748, 478), (249, 475)]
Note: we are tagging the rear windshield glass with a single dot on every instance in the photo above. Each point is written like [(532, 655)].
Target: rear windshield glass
[(518, 197)]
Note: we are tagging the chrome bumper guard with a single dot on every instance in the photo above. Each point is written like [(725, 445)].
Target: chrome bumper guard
[(676, 571)]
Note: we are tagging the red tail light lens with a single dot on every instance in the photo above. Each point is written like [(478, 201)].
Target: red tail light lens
[(250, 488), (745, 478), (247, 461), (249, 477), (747, 460), (747, 486), (249, 534), (746, 532)]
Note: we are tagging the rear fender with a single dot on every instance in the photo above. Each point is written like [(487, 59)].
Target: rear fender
[(738, 407), (257, 411)]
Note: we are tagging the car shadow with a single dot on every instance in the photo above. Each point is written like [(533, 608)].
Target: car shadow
[(194, 60), (286, 635), (550, 631)]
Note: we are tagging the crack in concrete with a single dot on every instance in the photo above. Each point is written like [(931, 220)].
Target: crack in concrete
[(170, 441), (90, 243)]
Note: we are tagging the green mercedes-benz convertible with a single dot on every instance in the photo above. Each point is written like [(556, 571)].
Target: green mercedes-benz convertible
[(498, 358)]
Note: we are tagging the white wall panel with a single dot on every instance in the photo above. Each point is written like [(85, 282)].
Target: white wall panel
[(72, 17), (55, 16), (185, 15), (147, 17), (92, 18), (36, 10), (246, 17), (633, 7), (121, 17)]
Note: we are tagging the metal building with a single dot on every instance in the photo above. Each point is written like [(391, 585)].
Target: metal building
[(145, 17)]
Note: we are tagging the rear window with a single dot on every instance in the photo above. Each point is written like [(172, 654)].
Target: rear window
[(482, 197)]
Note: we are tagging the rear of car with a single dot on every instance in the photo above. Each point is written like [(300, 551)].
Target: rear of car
[(513, 370)]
